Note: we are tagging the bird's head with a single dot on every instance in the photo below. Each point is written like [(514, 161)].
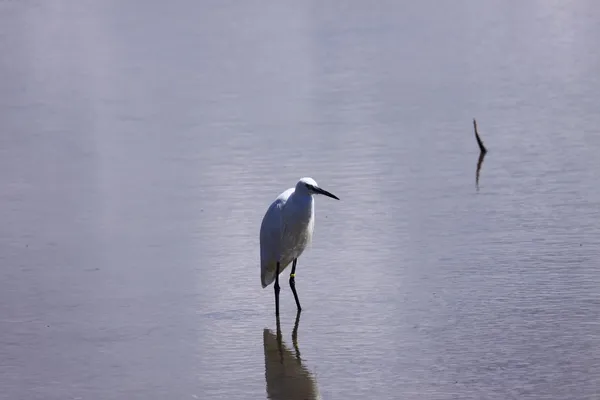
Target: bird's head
[(309, 186)]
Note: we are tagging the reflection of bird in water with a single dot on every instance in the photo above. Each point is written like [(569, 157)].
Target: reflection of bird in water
[(482, 153), (287, 378)]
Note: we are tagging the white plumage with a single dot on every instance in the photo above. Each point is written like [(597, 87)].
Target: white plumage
[(287, 229)]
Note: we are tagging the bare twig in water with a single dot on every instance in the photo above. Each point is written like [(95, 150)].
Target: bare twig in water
[(479, 142), (482, 153)]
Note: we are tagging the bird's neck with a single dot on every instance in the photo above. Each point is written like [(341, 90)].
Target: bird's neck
[(303, 201)]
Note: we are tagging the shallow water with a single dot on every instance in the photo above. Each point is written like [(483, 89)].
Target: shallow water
[(141, 143)]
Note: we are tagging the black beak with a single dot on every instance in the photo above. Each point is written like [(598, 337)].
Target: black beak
[(325, 193)]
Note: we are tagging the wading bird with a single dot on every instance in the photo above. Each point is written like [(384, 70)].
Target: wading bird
[(286, 230)]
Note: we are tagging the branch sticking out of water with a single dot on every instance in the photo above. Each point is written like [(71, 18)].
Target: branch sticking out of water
[(479, 142), (482, 153)]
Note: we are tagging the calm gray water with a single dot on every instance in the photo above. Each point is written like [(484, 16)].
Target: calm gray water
[(142, 142)]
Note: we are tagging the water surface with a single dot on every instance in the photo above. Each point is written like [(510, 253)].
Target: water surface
[(141, 143)]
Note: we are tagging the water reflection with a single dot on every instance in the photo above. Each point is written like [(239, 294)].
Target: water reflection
[(285, 375), (479, 164), (482, 153)]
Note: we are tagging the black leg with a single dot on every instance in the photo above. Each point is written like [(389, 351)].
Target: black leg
[(293, 284), (277, 290)]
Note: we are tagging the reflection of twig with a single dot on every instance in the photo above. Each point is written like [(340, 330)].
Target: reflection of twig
[(479, 142), (479, 163)]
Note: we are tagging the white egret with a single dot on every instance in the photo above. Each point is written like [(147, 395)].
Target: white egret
[(286, 230)]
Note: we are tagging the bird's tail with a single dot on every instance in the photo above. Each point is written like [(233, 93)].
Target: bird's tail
[(267, 274)]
